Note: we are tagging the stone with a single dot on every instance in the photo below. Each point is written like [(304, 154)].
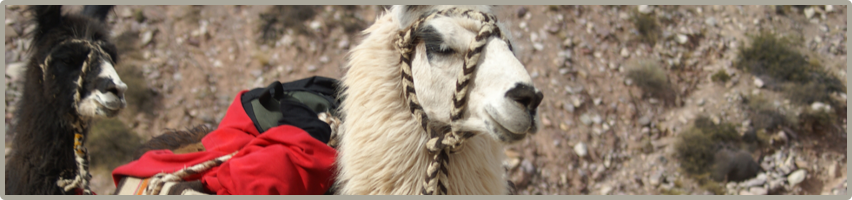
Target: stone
[(655, 178), (624, 52), (563, 126), (681, 39), (710, 21), (580, 149), (701, 102), (538, 46), (645, 9), (568, 107), (819, 106), (522, 11), (527, 167), (756, 181), (316, 25), (606, 189), (809, 12), (545, 121), (177, 77), (512, 163), (832, 170), (653, 101), (586, 119), (715, 119), (597, 119), (568, 42), (146, 38), (758, 83), (757, 191), (829, 8), (775, 184), (577, 101), (731, 186), (796, 177), (781, 137), (645, 120)]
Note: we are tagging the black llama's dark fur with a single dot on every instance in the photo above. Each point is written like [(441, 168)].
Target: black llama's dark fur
[(173, 140), (43, 141)]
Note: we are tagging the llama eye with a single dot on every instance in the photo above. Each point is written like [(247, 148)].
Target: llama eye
[(72, 63), (439, 49)]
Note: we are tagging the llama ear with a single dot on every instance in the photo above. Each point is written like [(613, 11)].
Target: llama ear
[(405, 15), (47, 15), (97, 11)]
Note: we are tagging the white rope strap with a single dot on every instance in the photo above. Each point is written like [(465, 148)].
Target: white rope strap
[(81, 158), (157, 181), (81, 179), (444, 138), (334, 123)]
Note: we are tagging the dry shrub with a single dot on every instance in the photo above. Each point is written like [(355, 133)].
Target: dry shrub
[(652, 79)]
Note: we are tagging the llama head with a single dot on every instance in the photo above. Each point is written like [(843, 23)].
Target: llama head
[(75, 61), (502, 100)]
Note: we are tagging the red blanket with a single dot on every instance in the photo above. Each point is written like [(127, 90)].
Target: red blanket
[(282, 160)]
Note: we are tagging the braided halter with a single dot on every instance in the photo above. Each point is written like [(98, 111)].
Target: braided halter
[(444, 138), (79, 123)]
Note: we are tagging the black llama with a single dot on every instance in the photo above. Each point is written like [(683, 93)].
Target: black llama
[(70, 80)]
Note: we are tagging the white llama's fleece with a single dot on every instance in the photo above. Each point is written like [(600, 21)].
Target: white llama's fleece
[(382, 148)]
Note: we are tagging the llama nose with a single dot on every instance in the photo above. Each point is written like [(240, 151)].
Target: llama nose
[(115, 87), (525, 95)]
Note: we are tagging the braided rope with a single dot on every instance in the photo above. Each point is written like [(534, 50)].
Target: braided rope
[(158, 180), (334, 123), (81, 180), (444, 138), (81, 157)]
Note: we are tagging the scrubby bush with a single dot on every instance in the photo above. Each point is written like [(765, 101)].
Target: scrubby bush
[(711, 153), (697, 146), (782, 67), (647, 26), (720, 76), (652, 79), (763, 115), (818, 121)]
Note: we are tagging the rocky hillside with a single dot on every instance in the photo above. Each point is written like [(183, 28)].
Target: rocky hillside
[(638, 99)]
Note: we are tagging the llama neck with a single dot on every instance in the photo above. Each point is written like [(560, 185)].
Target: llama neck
[(43, 145)]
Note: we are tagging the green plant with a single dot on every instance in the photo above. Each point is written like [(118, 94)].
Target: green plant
[(763, 115), (697, 146), (785, 68), (652, 79), (647, 26), (705, 182), (817, 121), (720, 76)]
